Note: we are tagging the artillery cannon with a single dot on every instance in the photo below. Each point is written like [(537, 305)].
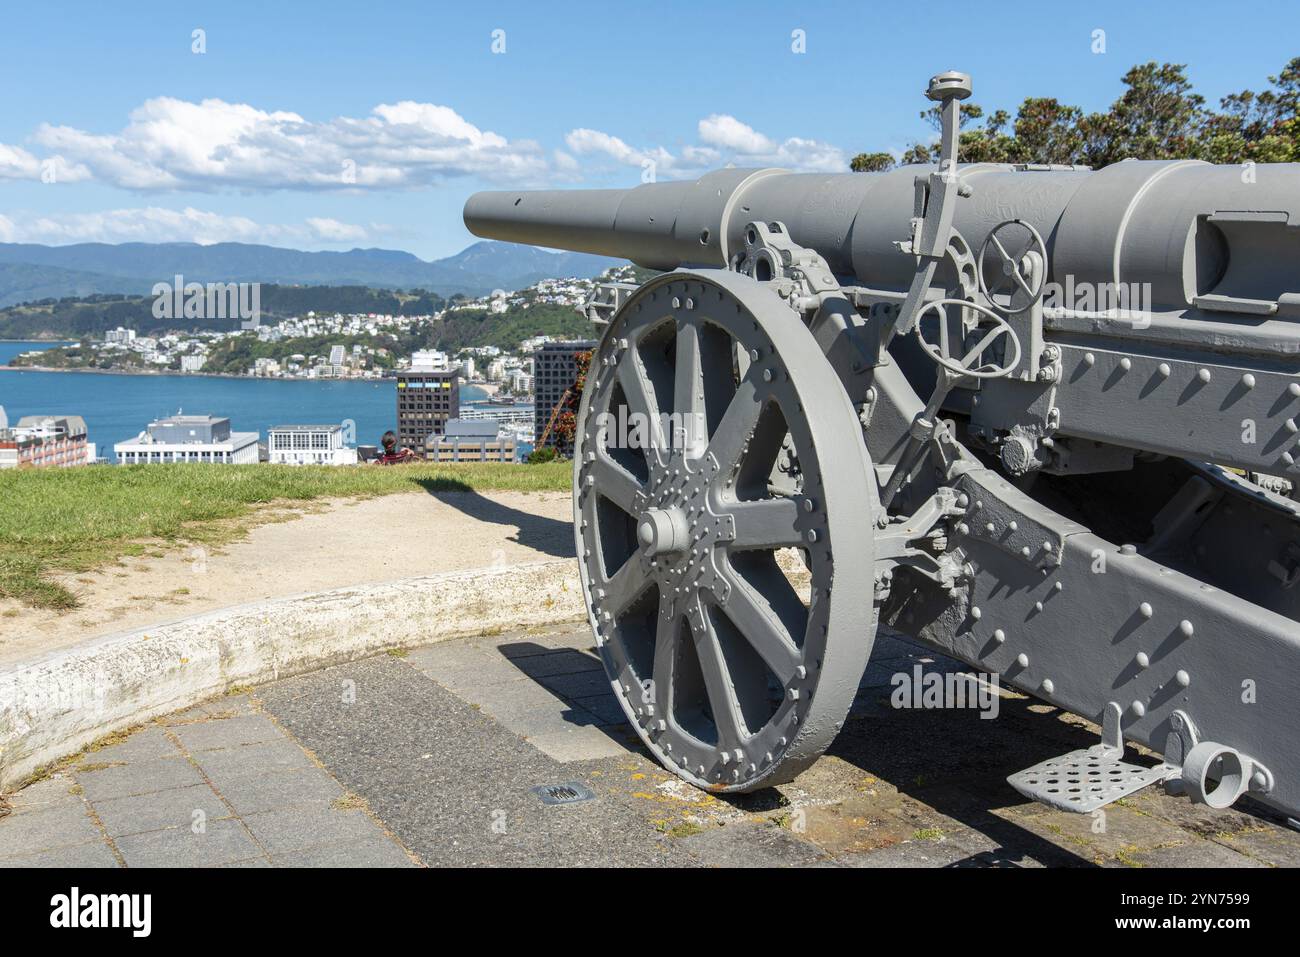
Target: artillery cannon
[(1043, 418)]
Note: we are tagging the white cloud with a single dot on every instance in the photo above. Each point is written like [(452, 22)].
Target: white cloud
[(154, 224), (724, 140), (171, 144), (333, 231), (17, 163), (729, 133), (585, 141)]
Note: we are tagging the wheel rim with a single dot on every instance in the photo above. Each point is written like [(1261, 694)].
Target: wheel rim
[(731, 678)]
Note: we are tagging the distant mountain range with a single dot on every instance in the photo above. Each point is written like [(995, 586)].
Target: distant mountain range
[(30, 271)]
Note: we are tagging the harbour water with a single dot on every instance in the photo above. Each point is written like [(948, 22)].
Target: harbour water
[(118, 407)]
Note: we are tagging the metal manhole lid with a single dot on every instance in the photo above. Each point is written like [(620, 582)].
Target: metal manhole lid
[(570, 793)]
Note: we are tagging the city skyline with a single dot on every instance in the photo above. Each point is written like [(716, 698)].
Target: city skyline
[(338, 130)]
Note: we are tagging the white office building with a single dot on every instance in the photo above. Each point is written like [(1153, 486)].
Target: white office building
[(428, 360), (189, 438), (309, 445)]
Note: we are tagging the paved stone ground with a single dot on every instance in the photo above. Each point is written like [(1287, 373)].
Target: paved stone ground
[(431, 757)]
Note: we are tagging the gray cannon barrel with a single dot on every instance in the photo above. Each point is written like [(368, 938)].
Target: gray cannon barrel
[(1225, 238)]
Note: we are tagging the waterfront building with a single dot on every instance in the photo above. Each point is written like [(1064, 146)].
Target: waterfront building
[(555, 370), (189, 438), (471, 440), (308, 445), (428, 360), (44, 441), (120, 335), (425, 401)]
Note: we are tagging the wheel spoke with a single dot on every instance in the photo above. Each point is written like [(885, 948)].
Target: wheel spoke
[(1020, 281), (737, 424), (717, 683), (762, 629), (977, 350), (766, 523), (625, 586), (641, 399), (615, 482), (667, 633), (1006, 256), (688, 391)]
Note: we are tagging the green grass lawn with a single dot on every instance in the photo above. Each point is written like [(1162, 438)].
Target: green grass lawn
[(78, 519)]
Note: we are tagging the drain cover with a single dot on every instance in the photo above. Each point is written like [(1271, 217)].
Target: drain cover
[(571, 793)]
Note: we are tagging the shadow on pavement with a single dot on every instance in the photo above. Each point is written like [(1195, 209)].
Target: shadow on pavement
[(577, 677)]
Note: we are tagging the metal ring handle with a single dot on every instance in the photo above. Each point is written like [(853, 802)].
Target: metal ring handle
[(1011, 264), (943, 352)]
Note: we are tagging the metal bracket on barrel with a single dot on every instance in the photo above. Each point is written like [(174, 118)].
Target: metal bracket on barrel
[(606, 299)]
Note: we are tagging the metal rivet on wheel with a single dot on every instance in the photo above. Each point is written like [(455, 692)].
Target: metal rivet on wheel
[(1183, 679)]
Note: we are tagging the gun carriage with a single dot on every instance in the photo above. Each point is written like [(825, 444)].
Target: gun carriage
[(1043, 418)]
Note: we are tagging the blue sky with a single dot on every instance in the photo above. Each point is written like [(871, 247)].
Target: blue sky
[(333, 125)]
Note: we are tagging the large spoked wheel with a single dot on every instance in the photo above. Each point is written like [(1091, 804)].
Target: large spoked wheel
[(713, 434)]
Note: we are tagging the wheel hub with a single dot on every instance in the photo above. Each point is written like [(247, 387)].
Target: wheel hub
[(680, 532), (663, 530)]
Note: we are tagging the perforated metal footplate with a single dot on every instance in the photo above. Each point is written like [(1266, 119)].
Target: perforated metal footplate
[(1085, 780)]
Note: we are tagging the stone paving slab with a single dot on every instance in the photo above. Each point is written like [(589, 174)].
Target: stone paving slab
[(155, 812), (137, 777), (450, 782), (216, 785), (431, 759)]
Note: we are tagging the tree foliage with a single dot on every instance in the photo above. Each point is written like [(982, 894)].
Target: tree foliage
[(1158, 116)]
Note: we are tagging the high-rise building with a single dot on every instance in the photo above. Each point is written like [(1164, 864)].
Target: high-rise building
[(425, 401), (555, 370)]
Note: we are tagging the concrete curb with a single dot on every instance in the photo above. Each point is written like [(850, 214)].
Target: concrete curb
[(55, 706)]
